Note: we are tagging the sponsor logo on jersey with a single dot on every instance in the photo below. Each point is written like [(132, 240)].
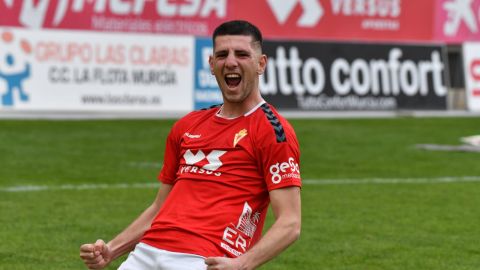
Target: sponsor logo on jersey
[(236, 239), (238, 136), (283, 170), (200, 163)]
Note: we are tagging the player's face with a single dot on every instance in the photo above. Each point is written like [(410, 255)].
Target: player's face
[(236, 63)]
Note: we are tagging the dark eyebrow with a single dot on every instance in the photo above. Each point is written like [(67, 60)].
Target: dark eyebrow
[(223, 52), (242, 52), (220, 52)]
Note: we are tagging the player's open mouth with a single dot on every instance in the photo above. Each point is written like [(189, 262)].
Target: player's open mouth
[(233, 80)]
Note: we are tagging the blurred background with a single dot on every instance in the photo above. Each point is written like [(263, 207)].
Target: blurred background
[(148, 58)]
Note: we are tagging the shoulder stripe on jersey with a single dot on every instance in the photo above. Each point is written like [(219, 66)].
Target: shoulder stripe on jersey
[(211, 107), (277, 126)]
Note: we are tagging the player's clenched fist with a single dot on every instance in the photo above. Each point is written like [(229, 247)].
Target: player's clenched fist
[(96, 256)]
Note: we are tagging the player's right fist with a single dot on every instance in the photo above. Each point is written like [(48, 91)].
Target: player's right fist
[(96, 256)]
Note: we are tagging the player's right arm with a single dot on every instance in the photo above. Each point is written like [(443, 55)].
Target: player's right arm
[(99, 254)]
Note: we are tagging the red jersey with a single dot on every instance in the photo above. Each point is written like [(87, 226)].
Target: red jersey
[(221, 171)]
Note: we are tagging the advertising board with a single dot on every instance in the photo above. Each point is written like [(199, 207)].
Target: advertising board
[(354, 76), (457, 21), (75, 70), (471, 61)]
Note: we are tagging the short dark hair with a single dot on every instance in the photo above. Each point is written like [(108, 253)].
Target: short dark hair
[(239, 27)]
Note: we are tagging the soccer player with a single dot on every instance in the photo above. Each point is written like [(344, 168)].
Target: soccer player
[(223, 166)]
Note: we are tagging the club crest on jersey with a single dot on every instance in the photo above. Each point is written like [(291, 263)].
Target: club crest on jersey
[(238, 136)]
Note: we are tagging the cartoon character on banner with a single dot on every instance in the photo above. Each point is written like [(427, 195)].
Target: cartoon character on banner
[(13, 79)]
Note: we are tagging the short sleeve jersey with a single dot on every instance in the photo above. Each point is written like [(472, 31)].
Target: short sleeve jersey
[(222, 171)]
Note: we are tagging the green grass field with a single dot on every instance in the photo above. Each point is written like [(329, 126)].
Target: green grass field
[(371, 200)]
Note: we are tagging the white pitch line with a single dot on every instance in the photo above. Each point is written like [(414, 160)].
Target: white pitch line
[(422, 180), (353, 181), (28, 188)]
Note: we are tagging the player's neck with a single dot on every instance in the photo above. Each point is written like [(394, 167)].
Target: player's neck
[(234, 110)]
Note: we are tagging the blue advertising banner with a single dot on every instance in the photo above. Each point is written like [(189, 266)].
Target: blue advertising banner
[(206, 92)]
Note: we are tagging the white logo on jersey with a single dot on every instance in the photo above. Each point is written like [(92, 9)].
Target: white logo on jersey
[(192, 136), (247, 223), (233, 240), (284, 170), (213, 159)]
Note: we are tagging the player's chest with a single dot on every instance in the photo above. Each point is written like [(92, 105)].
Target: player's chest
[(216, 136), (218, 148)]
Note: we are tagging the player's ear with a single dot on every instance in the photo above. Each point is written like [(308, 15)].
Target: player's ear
[(210, 62), (262, 64)]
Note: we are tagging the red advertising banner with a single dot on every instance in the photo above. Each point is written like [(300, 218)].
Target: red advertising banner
[(192, 17), (388, 20)]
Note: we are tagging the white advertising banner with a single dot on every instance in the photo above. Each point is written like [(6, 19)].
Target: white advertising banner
[(471, 61), (93, 71)]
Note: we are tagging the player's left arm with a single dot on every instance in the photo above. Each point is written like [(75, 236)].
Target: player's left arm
[(285, 230)]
